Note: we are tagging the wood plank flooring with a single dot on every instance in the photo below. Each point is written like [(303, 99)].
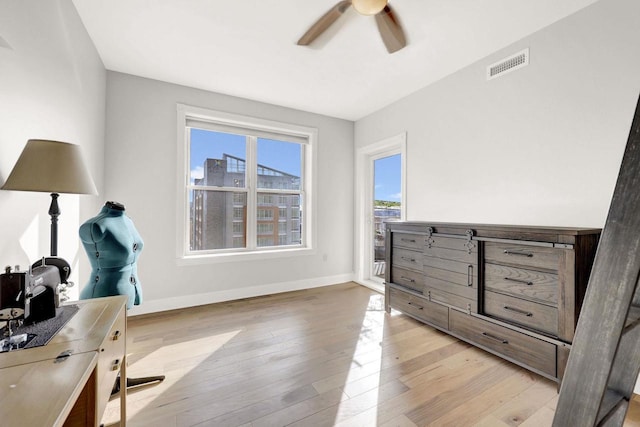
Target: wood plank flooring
[(321, 357)]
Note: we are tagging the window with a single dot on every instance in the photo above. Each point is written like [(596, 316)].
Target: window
[(242, 177), (265, 228)]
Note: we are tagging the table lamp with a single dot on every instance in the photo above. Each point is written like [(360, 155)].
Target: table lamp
[(52, 167)]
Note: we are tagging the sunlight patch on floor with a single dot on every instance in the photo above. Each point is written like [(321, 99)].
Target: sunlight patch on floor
[(360, 391), (156, 362)]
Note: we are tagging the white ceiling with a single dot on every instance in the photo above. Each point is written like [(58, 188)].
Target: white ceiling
[(247, 48)]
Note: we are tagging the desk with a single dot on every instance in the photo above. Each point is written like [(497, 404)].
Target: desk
[(38, 387)]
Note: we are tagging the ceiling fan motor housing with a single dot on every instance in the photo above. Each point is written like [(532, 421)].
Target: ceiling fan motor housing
[(369, 7)]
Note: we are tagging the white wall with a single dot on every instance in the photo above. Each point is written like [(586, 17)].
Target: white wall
[(538, 146), (140, 172), (52, 86)]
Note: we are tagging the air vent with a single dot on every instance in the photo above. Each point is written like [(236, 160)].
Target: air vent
[(506, 65)]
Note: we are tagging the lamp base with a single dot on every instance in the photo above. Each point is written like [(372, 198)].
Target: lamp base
[(54, 212)]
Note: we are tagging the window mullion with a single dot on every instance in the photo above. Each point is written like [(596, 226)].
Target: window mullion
[(252, 198)]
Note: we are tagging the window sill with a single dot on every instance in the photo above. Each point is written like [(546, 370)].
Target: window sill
[(243, 256)]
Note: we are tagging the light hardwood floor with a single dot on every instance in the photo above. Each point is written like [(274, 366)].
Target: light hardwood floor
[(322, 357)]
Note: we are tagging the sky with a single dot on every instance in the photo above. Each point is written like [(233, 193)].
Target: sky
[(283, 156), (387, 178)]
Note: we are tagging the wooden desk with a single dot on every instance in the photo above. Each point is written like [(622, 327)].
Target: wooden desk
[(40, 388)]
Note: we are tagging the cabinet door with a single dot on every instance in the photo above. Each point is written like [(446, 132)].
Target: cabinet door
[(450, 268)]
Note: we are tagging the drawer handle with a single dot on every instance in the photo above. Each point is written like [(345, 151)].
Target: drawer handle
[(517, 310), (408, 279), (527, 254), (470, 275), (526, 282), (416, 306), (408, 240), (493, 337), (116, 336), (408, 259)]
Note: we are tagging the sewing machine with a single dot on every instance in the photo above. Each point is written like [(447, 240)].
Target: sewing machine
[(30, 296)]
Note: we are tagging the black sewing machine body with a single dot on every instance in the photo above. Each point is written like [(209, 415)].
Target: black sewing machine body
[(32, 295)]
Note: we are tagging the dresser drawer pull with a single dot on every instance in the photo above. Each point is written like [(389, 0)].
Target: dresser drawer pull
[(526, 282), (408, 240), (416, 306), (527, 254), (408, 259), (116, 336), (408, 279), (516, 310), (470, 275), (500, 340)]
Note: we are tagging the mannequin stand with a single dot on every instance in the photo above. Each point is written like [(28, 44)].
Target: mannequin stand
[(136, 382)]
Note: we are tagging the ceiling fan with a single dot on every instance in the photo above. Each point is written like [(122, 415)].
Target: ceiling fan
[(389, 27)]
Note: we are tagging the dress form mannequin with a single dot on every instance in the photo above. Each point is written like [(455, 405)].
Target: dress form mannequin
[(113, 246)]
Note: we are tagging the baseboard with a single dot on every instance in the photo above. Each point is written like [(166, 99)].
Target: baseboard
[(184, 301), (374, 286)]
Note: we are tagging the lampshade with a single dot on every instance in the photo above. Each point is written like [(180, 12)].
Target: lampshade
[(50, 166), (368, 7)]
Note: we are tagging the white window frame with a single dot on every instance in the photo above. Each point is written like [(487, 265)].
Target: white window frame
[(184, 256), (365, 158)]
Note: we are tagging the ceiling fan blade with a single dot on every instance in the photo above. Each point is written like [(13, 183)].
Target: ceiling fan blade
[(324, 22), (390, 30)]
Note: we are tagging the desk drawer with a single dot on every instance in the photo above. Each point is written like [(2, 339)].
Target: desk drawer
[(408, 278), (514, 345), (522, 312), (407, 258), (420, 308), (536, 257), (110, 358), (522, 283)]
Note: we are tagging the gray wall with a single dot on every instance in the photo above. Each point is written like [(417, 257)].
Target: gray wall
[(541, 145), (52, 86), (140, 172)]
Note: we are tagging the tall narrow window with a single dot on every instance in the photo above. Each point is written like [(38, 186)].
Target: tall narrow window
[(244, 176)]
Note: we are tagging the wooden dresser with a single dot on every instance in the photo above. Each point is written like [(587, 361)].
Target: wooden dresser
[(68, 382), (514, 291)]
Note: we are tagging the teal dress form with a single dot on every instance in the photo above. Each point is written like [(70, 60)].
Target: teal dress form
[(113, 246)]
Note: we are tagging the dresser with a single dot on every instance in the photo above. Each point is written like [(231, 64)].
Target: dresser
[(515, 291), (68, 382)]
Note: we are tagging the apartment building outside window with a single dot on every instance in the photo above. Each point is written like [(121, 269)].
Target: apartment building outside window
[(248, 184)]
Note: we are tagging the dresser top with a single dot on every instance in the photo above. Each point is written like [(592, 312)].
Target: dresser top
[(497, 231)]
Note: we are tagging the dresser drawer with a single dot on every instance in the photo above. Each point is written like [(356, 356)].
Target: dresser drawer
[(536, 257), (420, 308), (522, 283), (407, 240), (408, 278), (514, 345), (522, 312), (407, 258)]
